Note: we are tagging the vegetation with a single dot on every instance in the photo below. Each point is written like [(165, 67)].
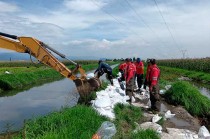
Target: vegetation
[(183, 93), (82, 122), (115, 71), (175, 73), (22, 76), (201, 65), (30, 64), (79, 122), (145, 134), (126, 116)]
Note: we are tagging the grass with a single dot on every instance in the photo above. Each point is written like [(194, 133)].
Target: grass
[(185, 94), (115, 71), (79, 122), (195, 75), (145, 134), (126, 116), (22, 76)]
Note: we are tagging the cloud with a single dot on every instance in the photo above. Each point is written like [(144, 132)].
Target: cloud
[(112, 28), (84, 5), (8, 7)]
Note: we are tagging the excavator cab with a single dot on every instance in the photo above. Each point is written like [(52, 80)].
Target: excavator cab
[(42, 52)]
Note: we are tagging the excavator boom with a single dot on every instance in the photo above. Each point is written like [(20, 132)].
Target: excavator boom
[(41, 52)]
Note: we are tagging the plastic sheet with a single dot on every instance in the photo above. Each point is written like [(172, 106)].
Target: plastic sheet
[(168, 114)]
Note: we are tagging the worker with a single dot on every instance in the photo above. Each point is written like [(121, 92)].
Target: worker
[(149, 65), (130, 78), (104, 68), (122, 68), (139, 72), (153, 84)]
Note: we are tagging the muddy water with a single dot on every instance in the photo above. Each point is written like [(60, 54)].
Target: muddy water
[(176, 121), (37, 101), (203, 88)]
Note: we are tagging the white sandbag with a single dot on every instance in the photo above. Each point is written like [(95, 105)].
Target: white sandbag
[(7, 72), (181, 133), (119, 74), (149, 125), (102, 93), (90, 75), (133, 99), (156, 118), (105, 112), (103, 102), (168, 114), (143, 90), (203, 132), (167, 87), (162, 92)]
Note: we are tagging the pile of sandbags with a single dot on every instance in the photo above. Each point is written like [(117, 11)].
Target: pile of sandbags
[(106, 99)]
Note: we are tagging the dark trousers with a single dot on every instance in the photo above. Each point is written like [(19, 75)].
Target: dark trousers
[(139, 80), (108, 75), (129, 88), (154, 97), (145, 83)]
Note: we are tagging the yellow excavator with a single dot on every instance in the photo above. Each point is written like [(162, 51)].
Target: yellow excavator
[(42, 52)]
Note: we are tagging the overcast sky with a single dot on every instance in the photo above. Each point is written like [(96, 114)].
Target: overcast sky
[(113, 28)]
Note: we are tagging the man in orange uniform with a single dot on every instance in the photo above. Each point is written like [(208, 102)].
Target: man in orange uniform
[(130, 78), (139, 72), (153, 84), (149, 65)]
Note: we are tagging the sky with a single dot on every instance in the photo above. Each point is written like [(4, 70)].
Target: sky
[(161, 29)]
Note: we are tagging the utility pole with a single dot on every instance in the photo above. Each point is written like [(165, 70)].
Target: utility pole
[(183, 53)]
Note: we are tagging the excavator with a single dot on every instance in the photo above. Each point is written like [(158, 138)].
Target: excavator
[(43, 53)]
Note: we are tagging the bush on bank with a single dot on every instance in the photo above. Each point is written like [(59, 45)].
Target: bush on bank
[(185, 94)]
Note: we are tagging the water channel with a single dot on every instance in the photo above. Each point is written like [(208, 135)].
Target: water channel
[(41, 100), (37, 101)]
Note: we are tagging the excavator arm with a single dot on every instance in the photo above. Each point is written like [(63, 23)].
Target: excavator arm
[(41, 52)]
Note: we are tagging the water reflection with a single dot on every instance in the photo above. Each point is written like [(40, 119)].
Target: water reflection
[(37, 101)]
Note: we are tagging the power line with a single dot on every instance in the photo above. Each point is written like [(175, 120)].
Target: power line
[(119, 21), (166, 24), (144, 22)]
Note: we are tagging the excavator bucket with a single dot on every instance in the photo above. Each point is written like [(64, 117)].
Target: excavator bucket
[(86, 86)]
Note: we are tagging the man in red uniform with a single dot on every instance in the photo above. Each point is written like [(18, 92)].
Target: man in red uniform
[(149, 65), (153, 84), (139, 72), (130, 78), (122, 69)]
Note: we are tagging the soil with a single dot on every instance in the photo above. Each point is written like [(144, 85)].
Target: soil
[(182, 119)]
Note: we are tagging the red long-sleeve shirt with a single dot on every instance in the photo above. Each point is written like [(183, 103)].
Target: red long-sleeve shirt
[(130, 71), (122, 66), (154, 75), (148, 72), (139, 67)]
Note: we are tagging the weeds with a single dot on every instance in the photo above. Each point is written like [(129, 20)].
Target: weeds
[(126, 116), (145, 134), (79, 122), (183, 93)]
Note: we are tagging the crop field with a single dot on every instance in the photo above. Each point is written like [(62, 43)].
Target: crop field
[(202, 65)]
